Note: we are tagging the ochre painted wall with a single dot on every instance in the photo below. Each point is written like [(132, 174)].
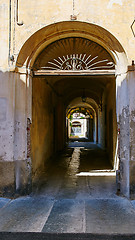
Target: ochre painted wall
[(116, 16), (42, 125)]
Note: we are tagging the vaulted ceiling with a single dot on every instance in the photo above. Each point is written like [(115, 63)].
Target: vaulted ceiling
[(76, 54)]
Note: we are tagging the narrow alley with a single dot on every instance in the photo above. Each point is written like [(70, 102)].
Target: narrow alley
[(67, 120), (72, 197)]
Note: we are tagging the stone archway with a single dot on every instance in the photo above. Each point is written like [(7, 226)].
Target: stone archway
[(43, 38), (47, 35)]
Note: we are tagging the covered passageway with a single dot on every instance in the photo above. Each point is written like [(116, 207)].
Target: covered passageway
[(71, 96)]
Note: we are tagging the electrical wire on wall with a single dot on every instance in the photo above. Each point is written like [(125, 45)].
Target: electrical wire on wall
[(73, 7), (73, 16)]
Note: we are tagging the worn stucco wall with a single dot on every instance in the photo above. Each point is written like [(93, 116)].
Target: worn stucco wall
[(7, 99), (13, 161), (131, 79), (126, 121), (123, 92), (7, 83)]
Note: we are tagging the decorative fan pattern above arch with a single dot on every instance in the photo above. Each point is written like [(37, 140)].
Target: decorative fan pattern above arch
[(76, 62), (74, 54)]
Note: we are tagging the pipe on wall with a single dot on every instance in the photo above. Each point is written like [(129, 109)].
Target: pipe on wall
[(17, 14)]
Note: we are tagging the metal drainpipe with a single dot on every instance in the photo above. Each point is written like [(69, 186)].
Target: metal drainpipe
[(9, 32), (17, 18)]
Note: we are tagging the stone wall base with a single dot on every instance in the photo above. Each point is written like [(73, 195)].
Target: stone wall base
[(15, 178)]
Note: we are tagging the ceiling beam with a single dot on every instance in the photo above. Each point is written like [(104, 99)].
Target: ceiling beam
[(42, 73)]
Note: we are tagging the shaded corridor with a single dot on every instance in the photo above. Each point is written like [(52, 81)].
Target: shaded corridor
[(60, 178)]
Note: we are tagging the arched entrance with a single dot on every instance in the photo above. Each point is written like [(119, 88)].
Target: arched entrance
[(80, 121), (66, 69), (62, 62)]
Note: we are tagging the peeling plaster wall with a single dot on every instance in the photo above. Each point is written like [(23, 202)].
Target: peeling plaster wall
[(22, 164), (7, 88), (131, 79), (123, 121), (15, 168), (126, 107), (20, 117)]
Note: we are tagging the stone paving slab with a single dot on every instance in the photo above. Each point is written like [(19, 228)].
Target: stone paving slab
[(110, 216), (66, 216), (40, 214), (26, 214)]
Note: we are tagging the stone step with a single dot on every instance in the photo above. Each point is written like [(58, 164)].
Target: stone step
[(63, 236)]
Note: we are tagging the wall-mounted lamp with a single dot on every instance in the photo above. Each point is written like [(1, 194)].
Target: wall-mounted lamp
[(84, 96)]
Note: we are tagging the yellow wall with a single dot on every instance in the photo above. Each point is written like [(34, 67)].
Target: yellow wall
[(41, 128), (116, 16)]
